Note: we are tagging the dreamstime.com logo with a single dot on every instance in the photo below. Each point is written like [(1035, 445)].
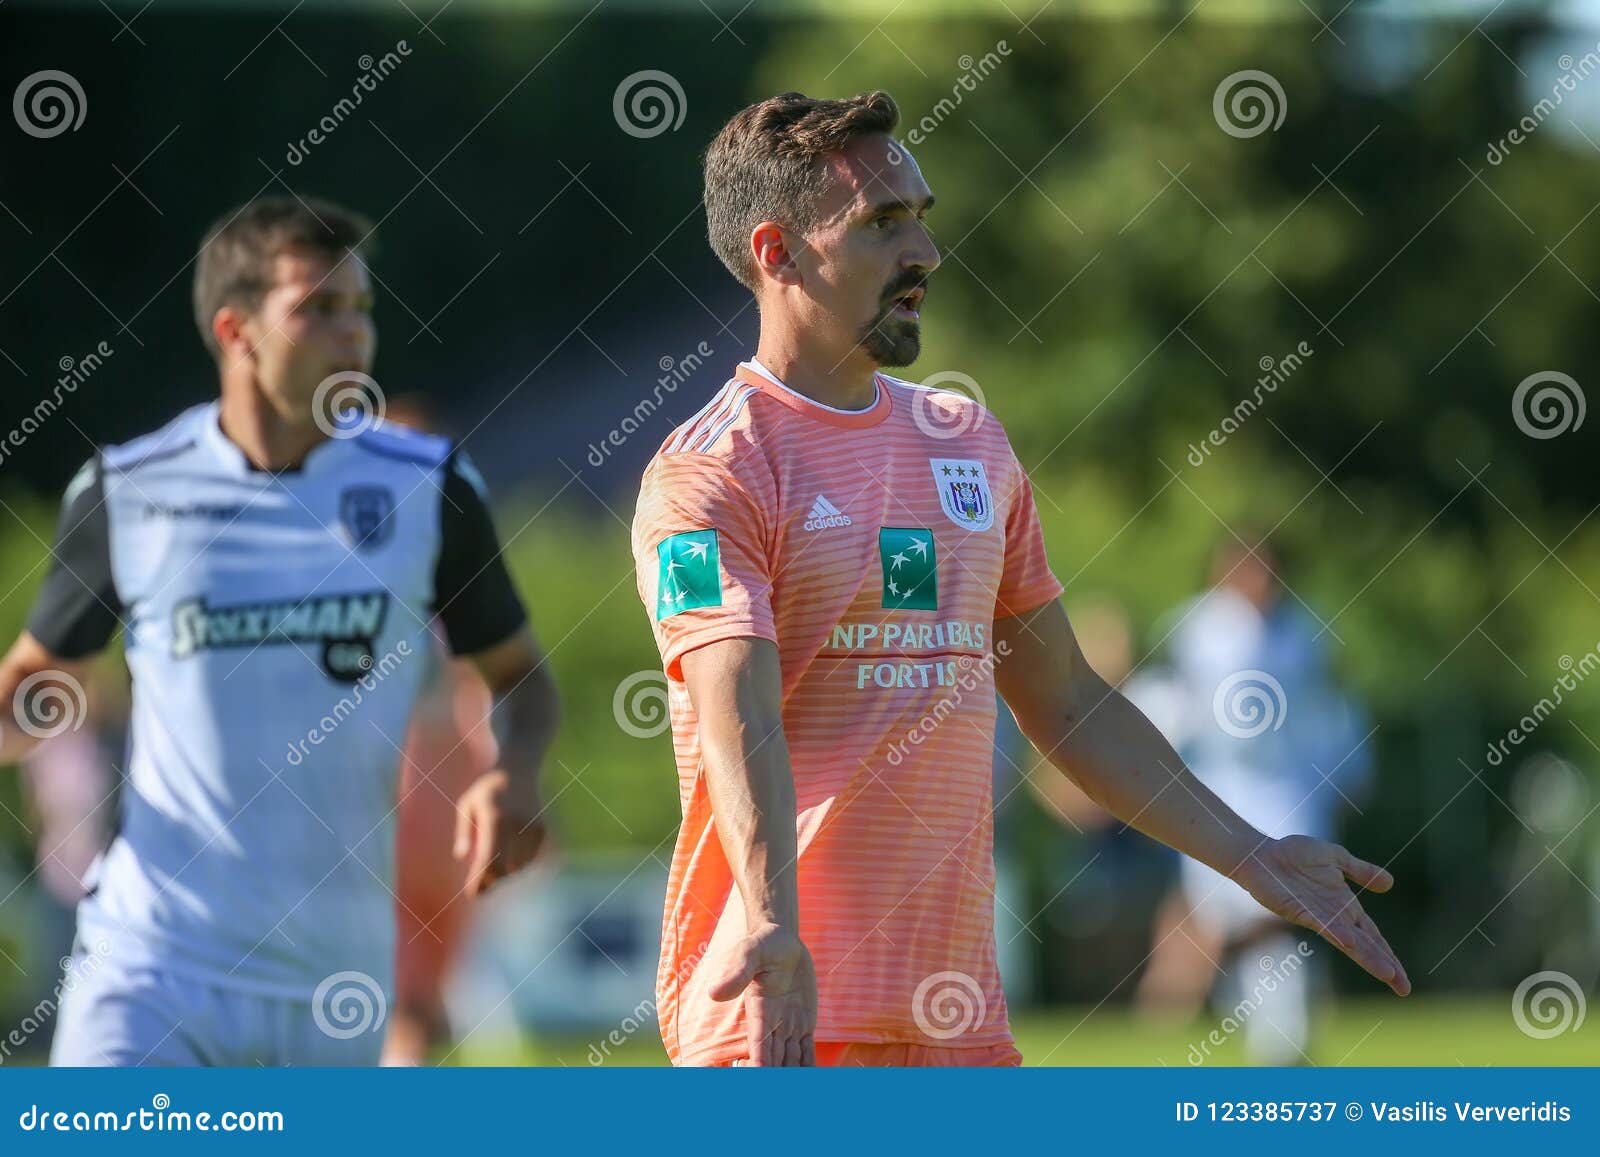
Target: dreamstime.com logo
[(940, 416), (1274, 372), (346, 403), (640, 704), (49, 703), (1273, 972), (74, 971), (348, 1004), (373, 73), (947, 1004), (1548, 1004), (48, 104), (1548, 404), (1248, 103), (1248, 703), (674, 372), (649, 103), (973, 73)]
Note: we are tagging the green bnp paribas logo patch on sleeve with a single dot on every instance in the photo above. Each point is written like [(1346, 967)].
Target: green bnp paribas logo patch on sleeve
[(910, 572), (690, 575)]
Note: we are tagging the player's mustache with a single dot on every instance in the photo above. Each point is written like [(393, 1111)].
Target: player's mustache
[(905, 285)]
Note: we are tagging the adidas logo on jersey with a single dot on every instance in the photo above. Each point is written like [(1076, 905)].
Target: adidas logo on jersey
[(825, 514)]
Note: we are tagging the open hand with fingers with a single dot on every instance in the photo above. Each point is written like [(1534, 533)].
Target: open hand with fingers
[(772, 970), (1304, 880)]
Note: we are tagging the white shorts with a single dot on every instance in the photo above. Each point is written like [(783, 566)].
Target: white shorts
[(123, 1016), (1218, 904)]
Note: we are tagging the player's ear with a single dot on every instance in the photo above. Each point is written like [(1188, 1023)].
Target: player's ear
[(769, 248), (228, 329)]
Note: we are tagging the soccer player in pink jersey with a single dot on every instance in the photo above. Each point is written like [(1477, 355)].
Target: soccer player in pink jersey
[(842, 568)]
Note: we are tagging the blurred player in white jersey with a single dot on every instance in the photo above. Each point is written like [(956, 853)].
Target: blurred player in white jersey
[(273, 562), (1253, 707)]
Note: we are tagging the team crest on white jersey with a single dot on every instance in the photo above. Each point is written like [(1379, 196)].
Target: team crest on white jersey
[(364, 515), (964, 492)]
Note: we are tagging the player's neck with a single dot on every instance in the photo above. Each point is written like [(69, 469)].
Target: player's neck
[(846, 385), (249, 421)]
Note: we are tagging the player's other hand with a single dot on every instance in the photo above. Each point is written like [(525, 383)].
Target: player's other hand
[(499, 829), (1303, 880), (772, 969)]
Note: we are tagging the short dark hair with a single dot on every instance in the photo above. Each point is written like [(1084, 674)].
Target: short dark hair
[(234, 266), (767, 164)]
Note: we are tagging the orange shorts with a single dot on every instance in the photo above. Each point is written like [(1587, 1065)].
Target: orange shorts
[(847, 1053)]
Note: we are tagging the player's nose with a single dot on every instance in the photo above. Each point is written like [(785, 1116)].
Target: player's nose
[(923, 254)]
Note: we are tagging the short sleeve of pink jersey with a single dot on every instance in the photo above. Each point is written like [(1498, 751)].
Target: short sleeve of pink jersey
[(1027, 582), (700, 550)]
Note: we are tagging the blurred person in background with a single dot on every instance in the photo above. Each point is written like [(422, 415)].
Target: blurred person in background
[(1253, 707), (70, 781), (270, 556), (69, 786), (448, 745), (1115, 873)]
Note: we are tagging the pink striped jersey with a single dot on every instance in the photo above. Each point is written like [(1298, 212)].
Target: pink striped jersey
[(875, 548)]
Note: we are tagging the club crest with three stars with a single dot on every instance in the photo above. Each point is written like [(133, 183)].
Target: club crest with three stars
[(964, 492)]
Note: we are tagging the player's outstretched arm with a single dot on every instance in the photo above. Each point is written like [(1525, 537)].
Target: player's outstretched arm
[(736, 687), (24, 717), (500, 824), (1121, 761)]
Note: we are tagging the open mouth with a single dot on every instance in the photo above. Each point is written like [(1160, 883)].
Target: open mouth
[(909, 303)]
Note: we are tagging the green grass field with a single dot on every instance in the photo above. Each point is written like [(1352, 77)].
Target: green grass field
[(1437, 1031)]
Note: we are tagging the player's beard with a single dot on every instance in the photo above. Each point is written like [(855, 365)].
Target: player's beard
[(892, 341)]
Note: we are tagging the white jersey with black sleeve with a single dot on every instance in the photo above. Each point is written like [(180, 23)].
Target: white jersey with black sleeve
[(276, 628)]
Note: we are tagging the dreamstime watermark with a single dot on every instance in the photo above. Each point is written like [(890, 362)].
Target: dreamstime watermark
[(1548, 404), (973, 73), (973, 674), (1248, 703), (373, 673), (941, 416), (1274, 372), (642, 1016), (74, 372), (347, 1004), (640, 704), (1576, 672), (74, 970), (373, 72), (948, 1004), (346, 403), (160, 1117), (674, 372), (1571, 73), (1248, 103), (649, 103), (1548, 1004), (1276, 972), (49, 703), (49, 103)]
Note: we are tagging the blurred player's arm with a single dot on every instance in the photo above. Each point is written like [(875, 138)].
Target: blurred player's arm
[(74, 616), (500, 818), (1121, 761), (36, 709), (736, 687)]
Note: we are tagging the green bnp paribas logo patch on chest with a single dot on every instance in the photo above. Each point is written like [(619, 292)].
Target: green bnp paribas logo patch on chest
[(910, 574), (690, 574)]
